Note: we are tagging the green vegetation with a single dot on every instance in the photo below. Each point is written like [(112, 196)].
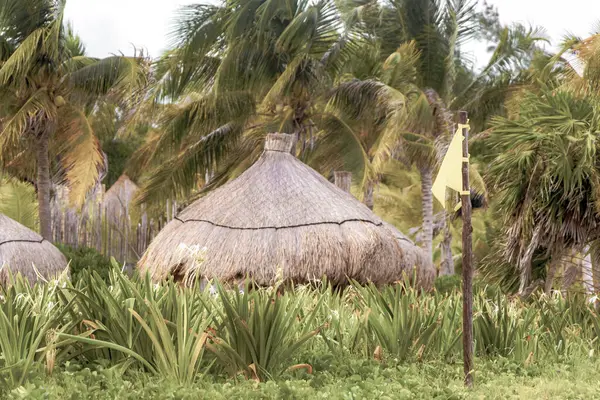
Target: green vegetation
[(351, 378), (301, 341), (86, 258)]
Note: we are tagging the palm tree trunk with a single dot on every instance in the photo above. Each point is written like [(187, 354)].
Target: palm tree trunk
[(587, 273), (43, 186), (525, 261), (447, 265), (368, 200), (427, 204), (572, 270), (596, 272), (551, 273)]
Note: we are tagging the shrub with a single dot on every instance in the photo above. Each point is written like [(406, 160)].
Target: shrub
[(86, 258), (448, 284)]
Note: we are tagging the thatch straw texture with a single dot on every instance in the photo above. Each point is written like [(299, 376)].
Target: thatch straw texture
[(21, 249), (279, 220), (415, 255), (120, 195)]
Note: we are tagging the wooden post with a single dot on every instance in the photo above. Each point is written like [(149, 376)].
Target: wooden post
[(467, 257), (343, 180)]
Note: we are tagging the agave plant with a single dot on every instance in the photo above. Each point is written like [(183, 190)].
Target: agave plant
[(259, 331), (402, 323), (162, 328), (506, 328), (31, 321)]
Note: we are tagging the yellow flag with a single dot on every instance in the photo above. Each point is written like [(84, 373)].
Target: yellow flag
[(450, 174)]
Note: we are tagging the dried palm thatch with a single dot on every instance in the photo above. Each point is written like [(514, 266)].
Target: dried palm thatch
[(280, 220), (414, 255), (21, 249), (120, 196)]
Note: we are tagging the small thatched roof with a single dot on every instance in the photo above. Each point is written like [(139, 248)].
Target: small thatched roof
[(280, 219), (22, 248), (120, 195)]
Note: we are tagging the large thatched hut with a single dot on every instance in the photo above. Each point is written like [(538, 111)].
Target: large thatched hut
[(21, 249), (281, 219)]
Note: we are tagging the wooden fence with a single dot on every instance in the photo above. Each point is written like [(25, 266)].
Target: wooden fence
[(107, 224)]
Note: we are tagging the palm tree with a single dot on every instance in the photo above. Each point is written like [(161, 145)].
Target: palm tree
[(49, 87), (420, 42), (236, 72), (545, 176), (544, 171)]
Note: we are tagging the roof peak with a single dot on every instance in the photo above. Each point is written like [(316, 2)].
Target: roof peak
[(280, 142)]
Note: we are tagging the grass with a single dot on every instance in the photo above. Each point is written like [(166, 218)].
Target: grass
[(354, 378), (131, 338)]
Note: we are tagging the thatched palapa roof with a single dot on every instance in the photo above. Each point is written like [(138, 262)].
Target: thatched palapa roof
[(21, 249), (280, 219), (120, 195)]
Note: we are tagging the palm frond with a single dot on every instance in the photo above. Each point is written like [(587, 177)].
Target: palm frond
[(400, 68), (122, 75), (24, 58), (178, 176), (80, 153), (302, 71), (314, 29), (22, 118), (18, 201), (340, 148)]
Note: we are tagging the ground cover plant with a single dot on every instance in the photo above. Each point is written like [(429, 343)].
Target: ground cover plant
[(97, 338)]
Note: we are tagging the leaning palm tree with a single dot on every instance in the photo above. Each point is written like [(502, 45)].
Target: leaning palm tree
[(49, 87)]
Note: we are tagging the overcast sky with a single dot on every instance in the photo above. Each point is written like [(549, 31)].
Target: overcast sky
[(110, 26)]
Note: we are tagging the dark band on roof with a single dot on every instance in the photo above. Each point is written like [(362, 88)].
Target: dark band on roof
[(279, 227), (22, 241)]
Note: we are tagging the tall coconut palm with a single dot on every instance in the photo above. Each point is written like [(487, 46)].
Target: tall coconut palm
[(49, 87), (237, 71), (420, 42)]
